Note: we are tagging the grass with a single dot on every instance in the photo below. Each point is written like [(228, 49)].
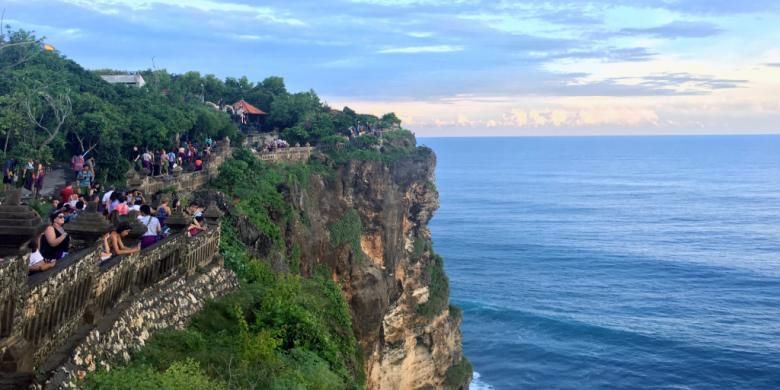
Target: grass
[(347, 230), (438, 288)]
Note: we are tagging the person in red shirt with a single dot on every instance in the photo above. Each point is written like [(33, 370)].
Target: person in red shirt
[(67, 192)]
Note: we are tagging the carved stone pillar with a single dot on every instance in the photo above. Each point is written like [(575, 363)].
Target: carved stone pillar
[(137, 229), (177, 221), (134, 180), (18, 224), (87, 228), (213, 214)]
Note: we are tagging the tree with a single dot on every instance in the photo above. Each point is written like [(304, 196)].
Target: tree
[(48, 112), (289, 110), (16, 47)]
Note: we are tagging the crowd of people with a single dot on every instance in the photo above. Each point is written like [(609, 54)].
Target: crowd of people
[(29, 175), (189, 156), (52, 243), (277, 144)]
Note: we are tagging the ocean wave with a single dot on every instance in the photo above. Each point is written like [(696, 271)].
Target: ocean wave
[(478, 384)]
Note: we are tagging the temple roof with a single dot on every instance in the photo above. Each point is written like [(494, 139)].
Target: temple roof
[(248, 108)]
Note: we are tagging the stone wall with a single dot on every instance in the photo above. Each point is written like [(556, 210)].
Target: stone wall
[(171, 303), (42, 317), (297, 153)]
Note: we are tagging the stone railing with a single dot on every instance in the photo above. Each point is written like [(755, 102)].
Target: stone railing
[(46, 313), (296, 153), (181, 181)]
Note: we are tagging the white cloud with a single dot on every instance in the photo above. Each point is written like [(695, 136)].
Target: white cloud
[(267, 14), (251, 37), (420, 34), (421, 49)]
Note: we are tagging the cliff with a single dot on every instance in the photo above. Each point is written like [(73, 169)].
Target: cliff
[(368, 223)]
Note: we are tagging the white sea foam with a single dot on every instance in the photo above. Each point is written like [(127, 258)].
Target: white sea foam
[(477, 384)]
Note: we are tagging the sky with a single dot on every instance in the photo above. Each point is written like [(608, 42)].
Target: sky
[(459, 67)]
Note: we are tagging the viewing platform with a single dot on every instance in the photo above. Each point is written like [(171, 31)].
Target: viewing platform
[(55, 324), (291, 154), (179, 180), (44, 315)]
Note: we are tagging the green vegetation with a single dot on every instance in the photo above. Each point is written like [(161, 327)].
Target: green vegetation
[(185, 374), (392, 146), (456, 312), (347, 230), (41, 207), (420, 246), (259, 190), (438, 286), (457, 374), (51, 108), (277, 332)]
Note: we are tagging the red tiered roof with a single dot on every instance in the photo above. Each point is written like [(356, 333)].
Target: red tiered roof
[(248, 108)]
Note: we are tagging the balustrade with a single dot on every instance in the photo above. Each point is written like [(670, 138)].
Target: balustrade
[(40, 312), (298, 153), (45, 309), (189, 181)]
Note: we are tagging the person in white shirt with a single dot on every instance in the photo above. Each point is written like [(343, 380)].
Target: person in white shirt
[(106, 199), (37, 263), (152, 224)]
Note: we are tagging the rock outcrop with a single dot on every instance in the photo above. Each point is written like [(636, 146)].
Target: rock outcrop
[(394, 283)]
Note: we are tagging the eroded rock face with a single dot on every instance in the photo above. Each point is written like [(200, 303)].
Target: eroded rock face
[(386, 282)]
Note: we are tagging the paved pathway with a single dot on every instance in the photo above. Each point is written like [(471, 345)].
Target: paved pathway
[(54, 180)]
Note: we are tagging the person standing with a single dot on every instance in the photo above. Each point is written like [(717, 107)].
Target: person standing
[(9, 173), (29, 175), (171, 160), (40, 174), (77, 164), (85, 180), (163, 162), (147, 161)]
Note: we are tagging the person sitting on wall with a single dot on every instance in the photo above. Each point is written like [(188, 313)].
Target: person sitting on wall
[(55, 242), (194, 209), (163, 211), (117, 246), (105, 250), (196, 226), (153, 228), (37, 262)]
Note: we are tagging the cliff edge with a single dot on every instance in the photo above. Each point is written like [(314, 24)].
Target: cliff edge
[(368, 224)]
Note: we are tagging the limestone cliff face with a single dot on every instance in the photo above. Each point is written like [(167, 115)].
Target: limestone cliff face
[(389, 280)]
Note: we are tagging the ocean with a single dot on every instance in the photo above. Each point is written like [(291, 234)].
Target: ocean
[(614, 262)]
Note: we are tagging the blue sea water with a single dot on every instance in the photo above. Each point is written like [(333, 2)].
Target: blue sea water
[(614, 262)]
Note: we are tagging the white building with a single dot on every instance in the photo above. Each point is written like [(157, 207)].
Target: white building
[(133, 80)]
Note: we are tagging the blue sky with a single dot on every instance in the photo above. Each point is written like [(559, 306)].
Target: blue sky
[(460, 67)]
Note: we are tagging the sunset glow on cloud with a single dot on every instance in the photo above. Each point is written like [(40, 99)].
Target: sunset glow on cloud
[(460, 67)]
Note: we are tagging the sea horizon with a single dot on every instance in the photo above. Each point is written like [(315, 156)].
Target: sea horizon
[(613, 262), (601, 135)]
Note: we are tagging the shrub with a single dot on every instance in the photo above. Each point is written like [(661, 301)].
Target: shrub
[(276, 332), (458, 374), (347, 230), (438, 288), (185, 374)]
